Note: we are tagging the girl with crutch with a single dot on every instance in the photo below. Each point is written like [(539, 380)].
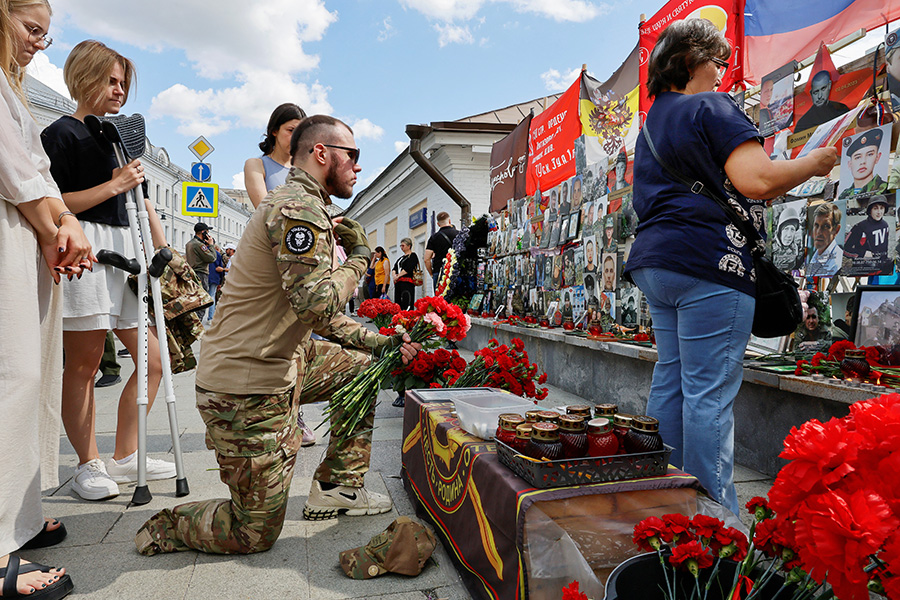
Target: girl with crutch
[(93, 185)]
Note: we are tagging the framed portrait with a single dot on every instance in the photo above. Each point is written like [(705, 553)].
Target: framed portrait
[(574, 222), (870, 245), (864, 167), (786, 243), (776, 100), (877, 318)]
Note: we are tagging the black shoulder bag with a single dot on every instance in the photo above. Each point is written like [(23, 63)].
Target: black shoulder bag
[(778, 307)]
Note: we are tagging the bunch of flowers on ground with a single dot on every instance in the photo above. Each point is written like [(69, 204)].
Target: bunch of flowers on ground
[(431, 317), (502, 367), (380, 310), (882, 361), (832, 517)]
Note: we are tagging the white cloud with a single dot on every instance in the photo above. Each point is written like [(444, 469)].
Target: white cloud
[(464, 10), (47, 73), (400, 146), (364, 129), (260, 45), (388, 31), (453, 34), (555, 81), (368, 179), (237, 181), (211, 111)]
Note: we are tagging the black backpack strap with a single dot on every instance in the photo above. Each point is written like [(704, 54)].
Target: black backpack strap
[(697, 187)]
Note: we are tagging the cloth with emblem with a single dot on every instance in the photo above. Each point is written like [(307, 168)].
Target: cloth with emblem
[(182, 297), (679, 230), (282, 286), (478, 507)]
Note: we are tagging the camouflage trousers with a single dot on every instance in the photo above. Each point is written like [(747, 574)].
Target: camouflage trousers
[(256, 440)]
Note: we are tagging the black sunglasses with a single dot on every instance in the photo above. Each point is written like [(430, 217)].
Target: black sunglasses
[(352, 152), (722, 64)]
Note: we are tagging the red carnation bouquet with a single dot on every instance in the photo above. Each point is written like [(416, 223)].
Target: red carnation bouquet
[(426, 370), (380, 310), (832, 516), (432, 317), (501, 366)]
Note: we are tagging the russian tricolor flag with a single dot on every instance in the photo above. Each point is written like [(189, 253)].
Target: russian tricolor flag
[(778, 31)]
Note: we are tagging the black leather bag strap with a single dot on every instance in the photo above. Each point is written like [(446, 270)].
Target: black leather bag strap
[(697, 187)]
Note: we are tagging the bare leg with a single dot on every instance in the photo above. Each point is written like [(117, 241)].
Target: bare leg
[(83, 350), (127, 424)]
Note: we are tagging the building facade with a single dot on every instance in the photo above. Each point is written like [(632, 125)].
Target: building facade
[(163, 178), (404, 199)]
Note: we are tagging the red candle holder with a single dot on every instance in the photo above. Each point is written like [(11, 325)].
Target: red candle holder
[(855, 367), (569, 326), (545, 322), (595, 330)]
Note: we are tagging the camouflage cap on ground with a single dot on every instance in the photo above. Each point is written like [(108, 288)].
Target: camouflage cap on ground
[(403, 548)]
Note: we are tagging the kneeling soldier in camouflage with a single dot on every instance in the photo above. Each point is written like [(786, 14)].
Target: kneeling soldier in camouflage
[(258, 364)]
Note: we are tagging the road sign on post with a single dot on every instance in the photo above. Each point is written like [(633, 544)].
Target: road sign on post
[(201, 148), (201, 171), (199, 199)]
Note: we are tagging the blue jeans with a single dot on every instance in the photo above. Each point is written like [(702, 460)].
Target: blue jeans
[(702, 329), (211, 288)]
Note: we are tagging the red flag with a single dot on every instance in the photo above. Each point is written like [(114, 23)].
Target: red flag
[(551, 142), (727, 15), (823, 62)]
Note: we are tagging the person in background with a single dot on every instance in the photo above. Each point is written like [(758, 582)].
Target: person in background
[(265, 173), (95, 188), (109, 366), (214, 280), (40, 240), (377, 275), (200, 252), (404, 285), (702, 304), (438, 245), (221, 266)]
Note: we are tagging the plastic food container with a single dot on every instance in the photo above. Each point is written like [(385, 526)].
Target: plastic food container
[(479, 408)]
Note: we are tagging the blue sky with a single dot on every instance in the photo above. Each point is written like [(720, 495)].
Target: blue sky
[(219, 68)]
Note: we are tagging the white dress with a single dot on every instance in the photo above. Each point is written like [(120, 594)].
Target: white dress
[(30, 332)]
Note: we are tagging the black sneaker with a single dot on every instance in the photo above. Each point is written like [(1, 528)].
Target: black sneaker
[(399, 403), (124, 352), (108, 380)]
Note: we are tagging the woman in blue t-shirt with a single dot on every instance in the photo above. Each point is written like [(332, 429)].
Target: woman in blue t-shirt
[(688, 258), (264, 174)]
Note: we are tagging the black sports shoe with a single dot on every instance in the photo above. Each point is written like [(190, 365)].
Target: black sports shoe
[(123, 352), (108, 380), (399, 403)]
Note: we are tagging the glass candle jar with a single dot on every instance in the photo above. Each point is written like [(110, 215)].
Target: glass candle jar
[(643, 436), (855, 367), (506, 427), (621, 426), (581, 410), (602, 441), (573, 435), (522, 439), (606, 411), (531, 416), (548, 416), (545, 441)]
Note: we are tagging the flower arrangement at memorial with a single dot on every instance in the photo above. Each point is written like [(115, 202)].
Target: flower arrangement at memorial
[(881, 364), (426, 370), (459, 273), (501, 366), (432, 317), (832, 519), (380, 310)]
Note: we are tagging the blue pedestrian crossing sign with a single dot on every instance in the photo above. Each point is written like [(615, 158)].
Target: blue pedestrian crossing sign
[(201, 171), (199, 199)]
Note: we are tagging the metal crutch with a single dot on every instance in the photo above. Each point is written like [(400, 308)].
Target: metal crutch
[(126, 137)]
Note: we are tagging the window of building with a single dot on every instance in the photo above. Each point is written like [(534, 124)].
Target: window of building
[(167, 198), (390, 233)]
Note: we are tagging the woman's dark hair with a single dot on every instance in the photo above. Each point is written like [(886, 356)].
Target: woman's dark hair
[(681, 48), (281, 115), (380, 249)]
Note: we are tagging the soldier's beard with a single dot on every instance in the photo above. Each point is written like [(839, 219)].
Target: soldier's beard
[(334, 185)]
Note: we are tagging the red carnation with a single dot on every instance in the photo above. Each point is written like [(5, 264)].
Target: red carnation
[(705, 526), (648, 533), (759, 508), (731, 543), (691, 556), (542, 379), (837, 349), (678, 528)]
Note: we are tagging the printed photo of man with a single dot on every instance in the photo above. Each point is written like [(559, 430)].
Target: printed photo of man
[(609, 272), (823, 109), (869, 238), (863, 172), (827, 255)]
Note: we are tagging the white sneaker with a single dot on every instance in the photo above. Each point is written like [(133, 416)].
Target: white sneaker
[(92, 482), (343, 500), (128, 472)]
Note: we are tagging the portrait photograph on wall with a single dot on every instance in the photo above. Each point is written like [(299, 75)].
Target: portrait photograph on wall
[(877, 321), (825, 253), (864, 167), (786, 243), (776, 100), (870, 245)]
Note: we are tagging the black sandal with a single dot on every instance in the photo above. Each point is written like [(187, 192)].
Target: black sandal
[(46, 537), (54, 591), (399, 403)]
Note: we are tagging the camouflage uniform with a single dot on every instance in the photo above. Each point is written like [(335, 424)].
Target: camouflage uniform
[(254, 432), (876, 186)]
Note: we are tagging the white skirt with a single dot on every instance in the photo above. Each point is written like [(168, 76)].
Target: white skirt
[(101, 299)]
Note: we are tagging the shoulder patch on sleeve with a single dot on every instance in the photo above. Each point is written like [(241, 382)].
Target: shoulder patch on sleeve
[(298, 238)]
